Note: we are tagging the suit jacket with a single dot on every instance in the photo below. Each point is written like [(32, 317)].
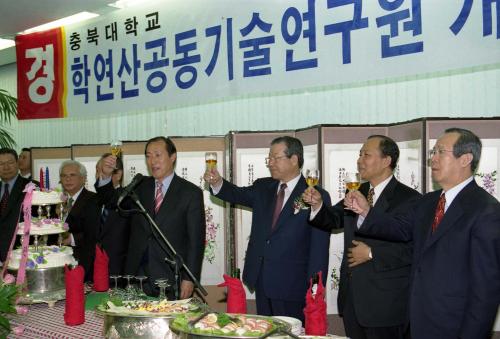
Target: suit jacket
[(11, 216), (455, 289), (114, 238), (83, 222), (379, 286), (288, 255), (181, 218)]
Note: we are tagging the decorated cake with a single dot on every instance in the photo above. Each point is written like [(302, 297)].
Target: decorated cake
[(46, 198), (45, 257), (41, 226)]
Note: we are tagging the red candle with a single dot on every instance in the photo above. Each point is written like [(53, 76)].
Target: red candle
[(41, 178)]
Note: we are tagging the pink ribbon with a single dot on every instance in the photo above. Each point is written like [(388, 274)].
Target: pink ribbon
[(26, 208)]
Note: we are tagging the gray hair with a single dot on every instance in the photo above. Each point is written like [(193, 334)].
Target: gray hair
[(467, 142), (81, 168)]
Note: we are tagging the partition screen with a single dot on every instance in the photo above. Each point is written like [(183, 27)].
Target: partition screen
[(45, 165)]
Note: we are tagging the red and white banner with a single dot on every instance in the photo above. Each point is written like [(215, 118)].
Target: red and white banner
[(40, 75)]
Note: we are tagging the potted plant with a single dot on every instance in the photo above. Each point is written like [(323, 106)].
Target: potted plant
[(8, 295), (8, 111)]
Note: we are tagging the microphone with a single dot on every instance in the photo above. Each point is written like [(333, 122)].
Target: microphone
[(130, 187)]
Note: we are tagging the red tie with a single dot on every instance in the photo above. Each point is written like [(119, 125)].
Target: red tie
[(158, 195), (439, 212), (280, 197), (5, 198)]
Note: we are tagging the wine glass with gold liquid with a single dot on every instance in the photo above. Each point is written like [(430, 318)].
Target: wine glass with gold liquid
[(211, 160), (312, 177), (352, 181), (116, 148)]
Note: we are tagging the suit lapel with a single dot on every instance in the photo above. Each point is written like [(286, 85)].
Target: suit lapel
[(384, 201), (454, 212), (168, 204), (15, 193), (287, 210)]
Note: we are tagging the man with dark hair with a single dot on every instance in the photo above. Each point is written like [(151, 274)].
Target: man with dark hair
[(11, 198), (114, 234), (283, 252), (455, 287), (24, 163), (177, 207), (374, 274)]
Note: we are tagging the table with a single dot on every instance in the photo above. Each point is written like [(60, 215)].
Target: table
[(48, 322)]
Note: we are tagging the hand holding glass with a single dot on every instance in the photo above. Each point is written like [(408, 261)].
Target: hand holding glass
[(352, 181), (116, 148), (312, 177), (211, 160)]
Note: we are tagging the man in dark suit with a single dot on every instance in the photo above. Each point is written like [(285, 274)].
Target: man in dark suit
[(83, 213), (283, 252), (455, 287), (374, 274), (176, 205), (11, 198), (24, 163), (114, 234)]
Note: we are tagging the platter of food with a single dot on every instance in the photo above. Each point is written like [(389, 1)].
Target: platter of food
[(224, 325), (146, 308)]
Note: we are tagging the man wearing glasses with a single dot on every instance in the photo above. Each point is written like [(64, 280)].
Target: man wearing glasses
[(455, 287), (11, 198), (83, 213), (284, 251)]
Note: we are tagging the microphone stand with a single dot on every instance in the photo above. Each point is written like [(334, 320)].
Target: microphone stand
[(177, 261)]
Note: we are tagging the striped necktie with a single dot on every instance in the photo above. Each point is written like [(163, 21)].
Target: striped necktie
[(439, 214), (158, 195)]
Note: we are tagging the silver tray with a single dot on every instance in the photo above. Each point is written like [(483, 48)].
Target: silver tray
[(136, 326), (190, 335)]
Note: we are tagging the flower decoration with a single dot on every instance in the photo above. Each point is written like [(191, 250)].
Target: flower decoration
[(211, 236), (8, 295), (30, 264), (299, 204)]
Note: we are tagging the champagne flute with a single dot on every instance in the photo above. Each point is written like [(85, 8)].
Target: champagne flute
[(312, 177), (211, 160), (352, 181), (116, 148)]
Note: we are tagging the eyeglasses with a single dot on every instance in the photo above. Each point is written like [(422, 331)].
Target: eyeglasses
[(69, 176), (274, 159), (8, 163), (438, 151)]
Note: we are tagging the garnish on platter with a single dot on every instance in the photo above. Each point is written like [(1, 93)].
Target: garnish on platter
[(225, 325), (146, 307)]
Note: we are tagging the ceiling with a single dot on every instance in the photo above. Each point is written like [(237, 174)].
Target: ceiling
[(19, 15)]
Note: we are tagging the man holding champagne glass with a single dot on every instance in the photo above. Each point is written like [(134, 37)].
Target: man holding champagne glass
[(284, 251), (374, 274)]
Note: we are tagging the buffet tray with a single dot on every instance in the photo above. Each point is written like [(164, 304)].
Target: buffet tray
[(183, 334)]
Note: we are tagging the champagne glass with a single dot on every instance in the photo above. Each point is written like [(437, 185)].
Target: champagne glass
[(352, 181), (162, 284), (211, 160), (141, 293), (116, 148), (312, 177)]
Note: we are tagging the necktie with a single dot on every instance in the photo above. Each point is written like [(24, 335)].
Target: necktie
[(5, 198), (70, 204), (439, 212), (158, 195), (370, 195), (280, 197)]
